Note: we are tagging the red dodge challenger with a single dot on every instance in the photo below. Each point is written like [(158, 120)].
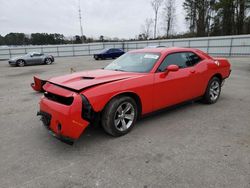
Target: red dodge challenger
[(137, 83)]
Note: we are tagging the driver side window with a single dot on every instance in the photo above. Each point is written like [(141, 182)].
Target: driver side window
[(180, 59)]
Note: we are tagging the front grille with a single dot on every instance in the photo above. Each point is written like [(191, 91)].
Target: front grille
[(59, 99)]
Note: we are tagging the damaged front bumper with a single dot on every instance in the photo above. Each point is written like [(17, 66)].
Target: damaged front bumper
[(62, 115), (46, 118)]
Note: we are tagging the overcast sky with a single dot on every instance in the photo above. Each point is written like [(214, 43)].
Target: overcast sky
[(112, 18)]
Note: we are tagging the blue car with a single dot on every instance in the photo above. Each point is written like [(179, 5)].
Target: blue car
[(109, 54)]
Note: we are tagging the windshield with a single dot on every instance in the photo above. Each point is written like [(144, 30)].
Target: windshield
[(103, 51), (134, 62)]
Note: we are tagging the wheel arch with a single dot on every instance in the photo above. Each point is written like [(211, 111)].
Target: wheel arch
[(218, 75), (133, 95)]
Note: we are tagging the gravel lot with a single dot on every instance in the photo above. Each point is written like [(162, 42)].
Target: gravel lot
[(194, 145)]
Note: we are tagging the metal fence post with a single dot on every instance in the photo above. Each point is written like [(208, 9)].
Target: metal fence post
[(89, 48), (9, 52), (73, 48), (123, 46), (208, 45), (231, 46), (57, 51)]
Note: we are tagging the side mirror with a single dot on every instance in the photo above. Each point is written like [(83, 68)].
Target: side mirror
[(172, 68)]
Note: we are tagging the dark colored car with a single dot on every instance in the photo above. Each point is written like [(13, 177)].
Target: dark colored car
[(109, 54), (158, 46), (32, 58)]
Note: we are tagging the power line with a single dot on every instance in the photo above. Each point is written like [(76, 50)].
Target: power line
[(80, 18)]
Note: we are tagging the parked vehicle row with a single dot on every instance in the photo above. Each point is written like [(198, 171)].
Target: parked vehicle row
[(36, 58)]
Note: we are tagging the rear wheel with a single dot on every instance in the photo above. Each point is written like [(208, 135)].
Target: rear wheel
[(213, 91), (119, 116), (20, 63)]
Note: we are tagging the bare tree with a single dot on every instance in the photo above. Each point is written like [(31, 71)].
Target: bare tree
[(147, 28), (156, 4), (169, 16)]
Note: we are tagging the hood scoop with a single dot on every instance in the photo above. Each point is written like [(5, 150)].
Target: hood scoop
[(88, 78)]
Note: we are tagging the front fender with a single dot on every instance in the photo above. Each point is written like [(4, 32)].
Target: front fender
[(99, 96)]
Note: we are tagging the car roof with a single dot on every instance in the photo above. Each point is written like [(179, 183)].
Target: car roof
[(163, 50)]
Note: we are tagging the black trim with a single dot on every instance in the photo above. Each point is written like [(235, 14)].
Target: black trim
[(59, 99), (45, 118), (87, 110), (185, 51)]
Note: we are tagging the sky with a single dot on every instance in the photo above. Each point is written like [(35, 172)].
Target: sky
[(110, 18)]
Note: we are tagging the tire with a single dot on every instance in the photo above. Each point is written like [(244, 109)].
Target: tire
[(119, 116), (213, 91), (48, 61), (20, 63), (96, 57)]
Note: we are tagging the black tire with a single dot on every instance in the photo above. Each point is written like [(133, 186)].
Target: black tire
[(213, 91), (96, 57), (48, 61), (111, 115), (20, 63)]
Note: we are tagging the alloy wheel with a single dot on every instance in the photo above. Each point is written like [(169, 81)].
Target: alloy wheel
[(124, 116), (214, 91)]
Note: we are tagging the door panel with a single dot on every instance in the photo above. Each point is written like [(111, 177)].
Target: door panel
[(173, 88), (176, 87)]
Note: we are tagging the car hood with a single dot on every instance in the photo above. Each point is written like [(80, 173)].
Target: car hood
[(86, 79)]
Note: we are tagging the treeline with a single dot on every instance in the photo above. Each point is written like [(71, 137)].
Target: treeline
[(41, 39), (217, 17), (203, 18)]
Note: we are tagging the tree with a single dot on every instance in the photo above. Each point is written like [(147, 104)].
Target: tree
[(15, 39), (2, 40), (190, 6), (147, 28), (101, 38), (198, 15), (156, 4), (169, 16), (77, 40)]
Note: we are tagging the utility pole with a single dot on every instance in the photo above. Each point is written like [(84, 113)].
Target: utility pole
[(80, 19)]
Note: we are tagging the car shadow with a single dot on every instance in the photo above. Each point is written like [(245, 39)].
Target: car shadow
[(94, 134)]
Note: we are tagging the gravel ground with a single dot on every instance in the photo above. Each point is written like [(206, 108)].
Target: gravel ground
[(193, 145)]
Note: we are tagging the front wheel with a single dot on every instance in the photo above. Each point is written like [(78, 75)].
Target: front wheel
[(213, 91), (20, 63), (119, 116)]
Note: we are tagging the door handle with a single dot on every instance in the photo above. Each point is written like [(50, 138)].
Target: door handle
[(192, 71)]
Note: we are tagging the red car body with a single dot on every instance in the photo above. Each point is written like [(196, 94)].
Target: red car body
[(73, 101)]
